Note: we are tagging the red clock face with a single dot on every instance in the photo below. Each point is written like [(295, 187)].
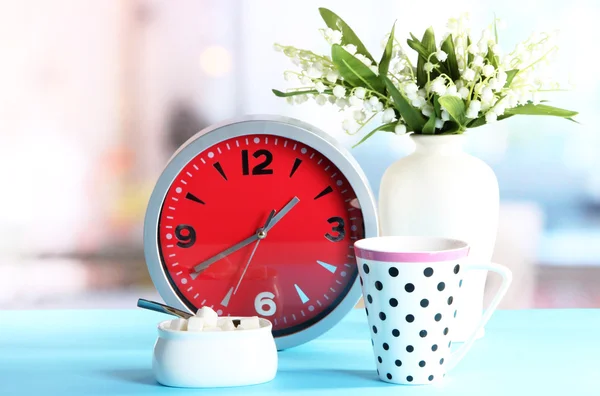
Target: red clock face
[(222, 246)]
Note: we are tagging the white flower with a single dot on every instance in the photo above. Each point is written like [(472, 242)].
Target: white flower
[(411, 88), (535, 98), (487, 95), (461, 64), (355, 101), (331, 99), (472, 49), (499, 108), (358, 115), (483, 47), (468, 74), (341, 103), (490, 117), (290, 100), (428, 67), (495, 84), (445, 115), (299, 99), (473, 109), (438, 86), (427, 109), (277, 47), (332, 76), (339, 91), (375, 104), (418, 101), (360, 92), (477, 61), (441, 55), (321, 100), (296, 61), (452, 91), (488, 70), (497, 49), (400, 129), (349, 125), (350, 48), (502, 77), (374, 69), (439, 124), (320, 87), (305, 80), (363, 59), (388, 116), (313, 72), (463, 92), (334, 36), (290, 76)]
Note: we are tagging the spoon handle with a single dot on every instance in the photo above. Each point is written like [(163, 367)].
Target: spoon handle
[(158, 307)]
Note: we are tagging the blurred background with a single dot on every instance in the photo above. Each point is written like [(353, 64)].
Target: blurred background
[(95, 97)]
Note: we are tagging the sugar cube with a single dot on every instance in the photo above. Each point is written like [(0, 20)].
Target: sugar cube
[(178, 324), (250, 323), (226, 324), (212, 329), (209, 315), (195, 323)]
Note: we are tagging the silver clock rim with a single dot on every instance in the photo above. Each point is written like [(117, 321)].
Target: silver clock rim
[(261, 125)]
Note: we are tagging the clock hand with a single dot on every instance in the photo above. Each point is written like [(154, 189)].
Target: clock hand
[(271, 221), (261, 234)]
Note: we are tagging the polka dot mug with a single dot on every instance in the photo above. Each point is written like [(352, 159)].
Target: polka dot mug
[(411, 286)]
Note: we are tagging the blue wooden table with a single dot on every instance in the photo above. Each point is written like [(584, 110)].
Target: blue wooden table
[(549, 352)]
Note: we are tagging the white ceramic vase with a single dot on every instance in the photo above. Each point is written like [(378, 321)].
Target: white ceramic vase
[(439, 190)]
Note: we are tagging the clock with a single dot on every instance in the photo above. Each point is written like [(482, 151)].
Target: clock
[(258, 216)]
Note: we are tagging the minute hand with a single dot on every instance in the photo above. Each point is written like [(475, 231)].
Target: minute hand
[(205, 264), (282, 212)]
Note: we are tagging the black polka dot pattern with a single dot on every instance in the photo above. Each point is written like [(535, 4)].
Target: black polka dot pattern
[(369, 299), (422, 363), (434, 347), (379, 359), (446, 331), (375, 329), (378, 285), (398, 362), (438, 317), (410, 318), (450, 300), (455, 313), (456, 268), (361, 281), (367, 311), (382, 316), (410, 348), (389, 376), (442, 361), (393, 302), (430, 378), (424, 303), (428, 272), (386, 346), (409, 287), (393, 271), (460, 283), (366, 269), (423, 333), (409, 378), (396, 332), (441, 286)]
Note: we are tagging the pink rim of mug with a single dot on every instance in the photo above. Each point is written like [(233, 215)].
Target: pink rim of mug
[(412, 257)]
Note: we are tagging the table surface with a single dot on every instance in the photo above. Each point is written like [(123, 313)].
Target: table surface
[(108, 352)]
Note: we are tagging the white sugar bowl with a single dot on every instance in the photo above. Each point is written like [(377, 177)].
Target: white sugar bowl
[(214, 359)]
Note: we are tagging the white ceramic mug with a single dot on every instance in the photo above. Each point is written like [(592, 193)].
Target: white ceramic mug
[(411, 287)]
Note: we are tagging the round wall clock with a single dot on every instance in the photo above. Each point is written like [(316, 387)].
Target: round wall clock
[(258, 217)]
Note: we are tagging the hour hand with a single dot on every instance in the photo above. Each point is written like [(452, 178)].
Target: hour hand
[(205, 264)]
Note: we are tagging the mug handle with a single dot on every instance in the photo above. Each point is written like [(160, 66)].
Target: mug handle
[(506, 275)]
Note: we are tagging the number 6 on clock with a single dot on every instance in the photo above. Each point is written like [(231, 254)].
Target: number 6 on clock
[(265, 299)]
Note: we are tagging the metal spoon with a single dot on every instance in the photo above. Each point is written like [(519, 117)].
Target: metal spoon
[(158, 307)]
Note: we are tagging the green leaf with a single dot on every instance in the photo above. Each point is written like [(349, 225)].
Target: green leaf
[(510, 75), (354, 71), (348, 36), (492, 58), (428, 42), (384, 63), (436, 106), (429, 127), (481, 120), (451, 63), (294, 93), (385, 127), (456, 108), (412, 116), (451, 127), (495, 29), (541, 109)]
